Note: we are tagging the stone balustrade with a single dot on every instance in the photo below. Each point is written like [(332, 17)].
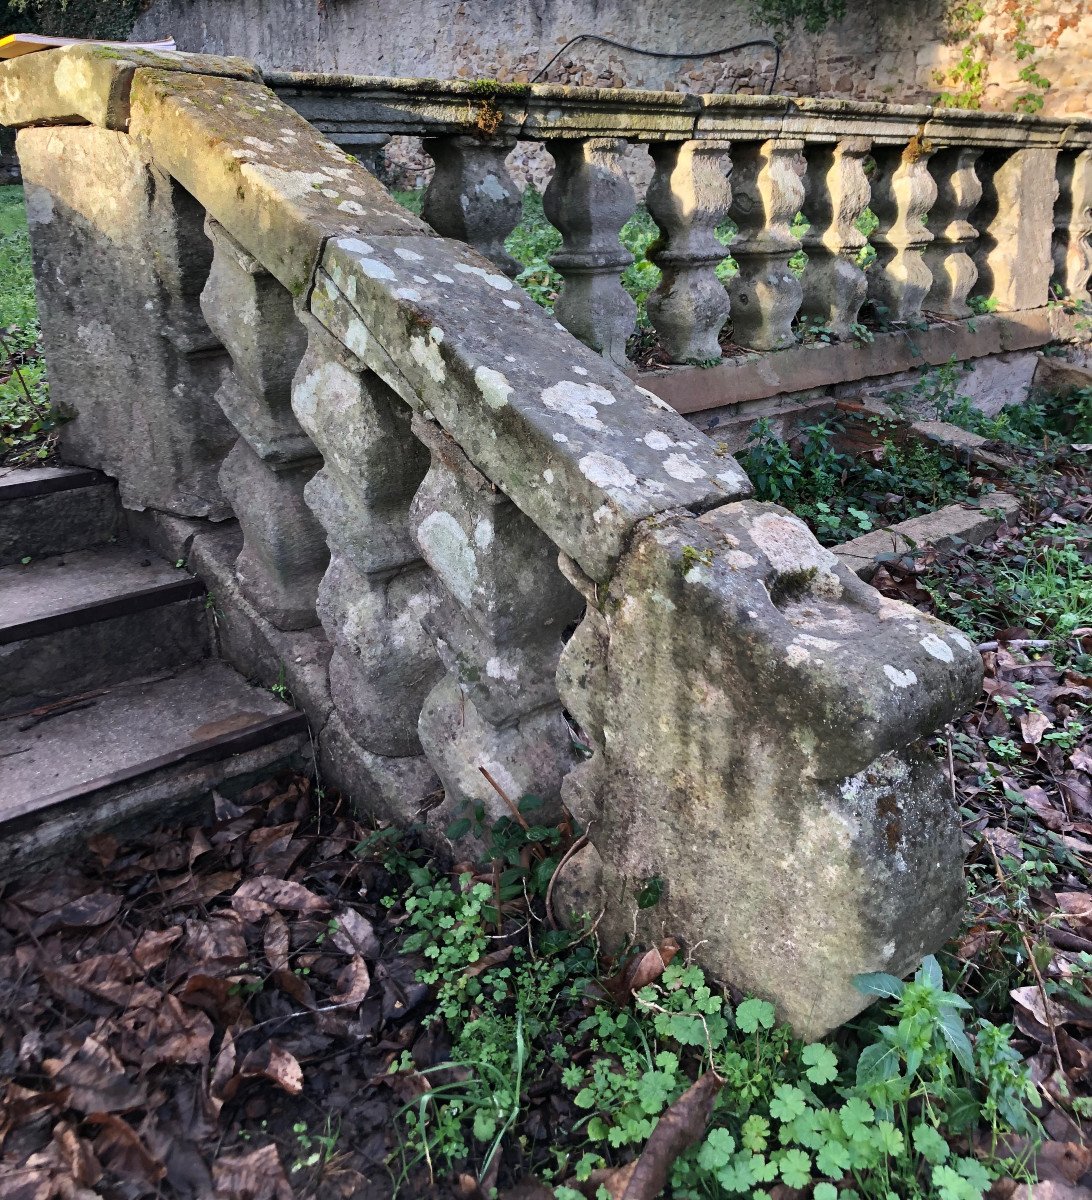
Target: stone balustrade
[(485, 561), (963, 203)]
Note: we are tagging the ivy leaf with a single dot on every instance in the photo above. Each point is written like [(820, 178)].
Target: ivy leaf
[(795, 1167), (788, 1103), (754, 1013), (929, 1144), (822, 1063)]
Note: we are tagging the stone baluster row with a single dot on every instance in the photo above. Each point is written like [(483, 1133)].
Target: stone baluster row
[(264, 475), (837, 188), (1073, 226), (951, 220), (502, 607)]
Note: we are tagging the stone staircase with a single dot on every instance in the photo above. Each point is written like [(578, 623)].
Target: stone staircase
[(113, 708)]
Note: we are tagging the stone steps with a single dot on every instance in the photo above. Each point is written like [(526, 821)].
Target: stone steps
[(111, 711), (50, 510)]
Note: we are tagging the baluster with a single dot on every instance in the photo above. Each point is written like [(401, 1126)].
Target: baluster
[(688, 196), (1073, 226), (284, 553), (472, 197), (378, 590), (948, 255), (498, 627), (834, 285), (903, 192), (767, 192), (589, 199), (1016, 223)]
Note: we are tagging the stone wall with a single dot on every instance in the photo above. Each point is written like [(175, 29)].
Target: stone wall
[(881, 51)]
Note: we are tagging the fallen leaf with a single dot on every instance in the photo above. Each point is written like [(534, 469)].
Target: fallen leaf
[(353, 984), (257, 898), (1033, 725), (83, 913), (276, 1064), (355, 935), (254, 1176), (121, 1150)]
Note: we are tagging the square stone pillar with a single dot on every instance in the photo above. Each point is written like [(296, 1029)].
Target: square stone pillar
[(120, 260)]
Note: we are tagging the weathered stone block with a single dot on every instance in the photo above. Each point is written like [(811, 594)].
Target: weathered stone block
[(753, 711), (119, 262)]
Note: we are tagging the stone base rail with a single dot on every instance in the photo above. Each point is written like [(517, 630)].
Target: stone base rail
[(472, 540)]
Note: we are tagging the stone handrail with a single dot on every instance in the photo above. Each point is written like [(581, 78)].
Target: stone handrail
[(992, 204), (488, 530)]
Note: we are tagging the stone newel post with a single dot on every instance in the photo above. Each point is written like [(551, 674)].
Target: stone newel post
[(1073, 226)]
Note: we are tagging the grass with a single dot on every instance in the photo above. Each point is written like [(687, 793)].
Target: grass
[(27, 422)]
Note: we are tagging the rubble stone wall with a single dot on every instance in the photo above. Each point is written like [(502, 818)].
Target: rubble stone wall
[(881, 51)]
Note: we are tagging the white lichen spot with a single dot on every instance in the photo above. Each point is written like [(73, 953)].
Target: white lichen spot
[(960, 640), (817, 643), (492, 187), (901, 679), (681, 466), (449, 553), (548, 475), (408, 255), (581, 370), (259, 144), (578, 401), (511, 304), (357, 337), (933, 645), (329, 193), (419, 279), (888, 951), (427, 354), (560, 437), (601, 514), (351, 206), (244, 154), (501, 282), (497, 668), (656, 439), (494, 387), (796, 655), (375, 269), (440, 277), (483, 534), (407, 294), (354, 246), (607, 472)]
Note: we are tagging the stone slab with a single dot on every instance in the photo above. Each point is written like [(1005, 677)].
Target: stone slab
[(140, 752), (804, 367), (81, 621), (564, 434), (73, 85), (50, 510), (260, 170)]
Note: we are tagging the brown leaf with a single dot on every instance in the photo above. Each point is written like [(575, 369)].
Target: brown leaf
[(254, 1176), (353, 983), (84, 913), (1033, 725), (77, 1155), (1077, 907), (274, 1063), (176, 1034), (258, 897), (488, 960), (679, 1127), (153, 947), (96, 1078), (121, 1150), (215, 944), (1081, 760), (647, 967), (276, 942), (355, 935)]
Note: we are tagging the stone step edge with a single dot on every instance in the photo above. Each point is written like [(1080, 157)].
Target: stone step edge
[(966, 522), (70, 481), (157, 596), (223, 746)]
